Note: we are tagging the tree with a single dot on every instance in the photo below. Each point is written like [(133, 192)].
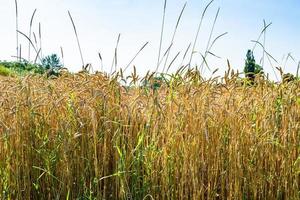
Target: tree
[(52, 64), (51, 61), (251, 69)]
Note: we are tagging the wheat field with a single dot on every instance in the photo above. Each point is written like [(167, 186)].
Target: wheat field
[(86, 136)]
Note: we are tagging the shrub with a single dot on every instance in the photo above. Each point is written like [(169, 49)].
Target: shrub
[(4, 71), (50, 64), (155, 82), (23, 67)]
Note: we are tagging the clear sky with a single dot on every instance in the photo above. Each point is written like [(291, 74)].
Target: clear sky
[(100, 21)]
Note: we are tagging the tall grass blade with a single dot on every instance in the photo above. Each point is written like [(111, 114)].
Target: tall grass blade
[(174, 34), (40, 38), (37, 56), (161, 35), (171, 63), (216, 39), (35, 39), (289, 56), (115, 58), (185, 54), (62, 55), (30, 28), (164, 55), (209, 40), (269, 57), (261, 34), (77, 38), (257, 42), (298, 67), (264, 44), (214, 55), (205, 62), (30, 41), (101, 61), (130, 62), (198, 31), (17, 28), (20, 51)]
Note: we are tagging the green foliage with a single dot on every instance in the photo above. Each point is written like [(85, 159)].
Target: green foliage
[(50, 65), (155, 82), (250, 63), (51, 62), (23, 67), (251, 68), (4, 71), (258, 69)]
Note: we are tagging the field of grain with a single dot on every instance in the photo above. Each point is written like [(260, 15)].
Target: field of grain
[(87, 137)]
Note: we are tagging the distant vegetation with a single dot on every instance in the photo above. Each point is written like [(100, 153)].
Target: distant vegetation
[(22, 68), (50, 65), (251, 68)]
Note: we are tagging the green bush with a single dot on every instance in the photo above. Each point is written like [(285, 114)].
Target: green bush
[(5, 71), (50, 64), (23, 68), (155, 82)]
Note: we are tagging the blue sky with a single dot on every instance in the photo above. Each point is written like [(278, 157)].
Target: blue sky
[(100, 21)]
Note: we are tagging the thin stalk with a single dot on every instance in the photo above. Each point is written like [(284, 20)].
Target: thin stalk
[(35, 40), (174, 34), (20, 51), (78, 43), (214, 41), (209, 39), (297, 74), (161, 34), (268, 57), (37, 55), (260, 35), (164, 55), (115, 58), (210, 53), (141, 49), (289, 56), (30, 28), (40, 38), (268, 54), (101, 61), (62, 55), (198, 31), (172, 61), (184, 56), (264, 43), (30, 41), (17, 28)]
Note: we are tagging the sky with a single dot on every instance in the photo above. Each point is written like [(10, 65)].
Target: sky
[(99, 22)]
